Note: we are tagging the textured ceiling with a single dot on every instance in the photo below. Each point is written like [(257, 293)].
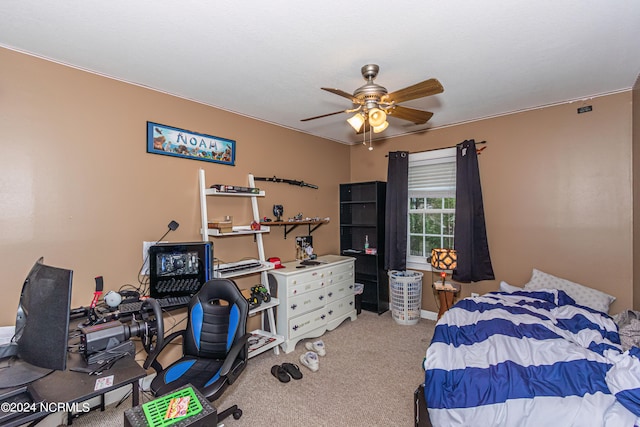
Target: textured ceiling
[(268, 60)]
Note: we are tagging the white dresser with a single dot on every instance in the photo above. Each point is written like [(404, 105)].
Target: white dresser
[(314, 299)]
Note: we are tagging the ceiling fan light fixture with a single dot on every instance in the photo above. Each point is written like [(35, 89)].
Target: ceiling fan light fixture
[(383, 126), (356, 121), (377, 117)]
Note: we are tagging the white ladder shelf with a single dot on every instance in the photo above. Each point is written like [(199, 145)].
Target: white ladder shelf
[(273, 340)]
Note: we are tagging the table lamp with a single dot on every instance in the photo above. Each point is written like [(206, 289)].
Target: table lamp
[(444, 259)]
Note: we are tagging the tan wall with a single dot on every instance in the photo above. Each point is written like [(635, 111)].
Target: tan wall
[(557, 190), (78, 187)]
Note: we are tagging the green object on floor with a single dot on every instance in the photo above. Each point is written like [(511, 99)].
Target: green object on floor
[(156, 410)]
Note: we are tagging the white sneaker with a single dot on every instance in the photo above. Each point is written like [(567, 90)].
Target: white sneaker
[(317, 346), (310, 360)]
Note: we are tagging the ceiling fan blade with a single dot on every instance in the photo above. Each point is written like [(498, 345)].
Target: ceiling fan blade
[(342, 93), (418, 90), (416, 116), (324, 115)]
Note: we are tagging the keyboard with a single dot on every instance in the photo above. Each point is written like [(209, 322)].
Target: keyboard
[(168, 303), (237, 267)]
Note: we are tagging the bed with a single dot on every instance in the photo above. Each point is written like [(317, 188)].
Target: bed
[(531, 356)]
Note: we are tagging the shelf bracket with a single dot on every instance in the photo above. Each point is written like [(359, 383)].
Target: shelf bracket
[(290, 226), (293, 227)]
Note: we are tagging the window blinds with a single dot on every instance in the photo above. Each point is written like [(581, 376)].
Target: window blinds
[(435, 177)]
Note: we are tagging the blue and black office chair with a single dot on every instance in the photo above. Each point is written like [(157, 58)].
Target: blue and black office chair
[(214, 345)]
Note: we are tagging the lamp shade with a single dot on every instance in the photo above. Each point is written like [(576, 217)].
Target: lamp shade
[(444, 259), (383, 126), (377, 117), (356, 121)]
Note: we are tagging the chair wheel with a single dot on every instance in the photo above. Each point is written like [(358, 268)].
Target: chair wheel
[(237, 414)]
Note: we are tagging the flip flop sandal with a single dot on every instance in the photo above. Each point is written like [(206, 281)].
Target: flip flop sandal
[(292, 370), (280, 374)]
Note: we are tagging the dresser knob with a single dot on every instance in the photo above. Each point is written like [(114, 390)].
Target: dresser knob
[(293, 306), (323, 316), (321, 297), (330, 312), (330, 294)]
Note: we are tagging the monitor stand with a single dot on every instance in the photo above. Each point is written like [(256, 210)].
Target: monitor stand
[(17, 372)]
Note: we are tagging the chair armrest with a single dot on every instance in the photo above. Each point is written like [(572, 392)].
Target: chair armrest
[(151, 358), (235, 350), (213, 391)]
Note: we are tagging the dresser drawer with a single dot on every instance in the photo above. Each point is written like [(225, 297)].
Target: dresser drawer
[(305, 277), (340, 308), (338, 291), (300, 325), (339, 272), (306, 302), (338, 277), (299, 289)]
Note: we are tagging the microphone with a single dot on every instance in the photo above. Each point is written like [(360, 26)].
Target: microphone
[(173, 225)]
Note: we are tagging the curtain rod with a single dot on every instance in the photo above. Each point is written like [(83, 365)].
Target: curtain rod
[(444, 148)]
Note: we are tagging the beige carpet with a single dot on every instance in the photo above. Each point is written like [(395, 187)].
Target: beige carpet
[(367, 378)]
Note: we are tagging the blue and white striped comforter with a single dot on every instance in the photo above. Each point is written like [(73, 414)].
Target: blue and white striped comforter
[(530, 359)]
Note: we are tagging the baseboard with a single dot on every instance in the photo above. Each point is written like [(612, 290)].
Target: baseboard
[(429, 315)]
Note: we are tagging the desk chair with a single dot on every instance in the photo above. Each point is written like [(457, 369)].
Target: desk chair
[(214, 345)]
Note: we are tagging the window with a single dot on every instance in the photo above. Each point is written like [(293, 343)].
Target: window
[(432, 203)]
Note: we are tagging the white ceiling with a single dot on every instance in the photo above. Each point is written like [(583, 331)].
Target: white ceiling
[(268, 59)]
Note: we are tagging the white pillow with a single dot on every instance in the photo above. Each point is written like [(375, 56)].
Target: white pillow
[(582, 295), (505, 287)]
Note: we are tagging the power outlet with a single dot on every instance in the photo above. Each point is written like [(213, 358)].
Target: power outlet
[(474, 294), (145, 256)]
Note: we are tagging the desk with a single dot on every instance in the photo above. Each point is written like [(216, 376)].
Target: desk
[(69, 387)]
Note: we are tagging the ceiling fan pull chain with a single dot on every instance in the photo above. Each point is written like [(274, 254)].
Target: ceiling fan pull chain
[(364, 139), (370, 147)]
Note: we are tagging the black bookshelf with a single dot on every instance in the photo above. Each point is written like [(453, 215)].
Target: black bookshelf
[(362, 213)]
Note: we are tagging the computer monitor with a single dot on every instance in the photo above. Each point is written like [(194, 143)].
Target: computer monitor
[(177, 269), (42, 326)]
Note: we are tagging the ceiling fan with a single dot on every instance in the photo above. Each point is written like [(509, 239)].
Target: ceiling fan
[(372, 103)]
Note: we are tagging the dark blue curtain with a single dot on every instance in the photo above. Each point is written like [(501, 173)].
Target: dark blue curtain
[(396, 211), (470, 238)]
